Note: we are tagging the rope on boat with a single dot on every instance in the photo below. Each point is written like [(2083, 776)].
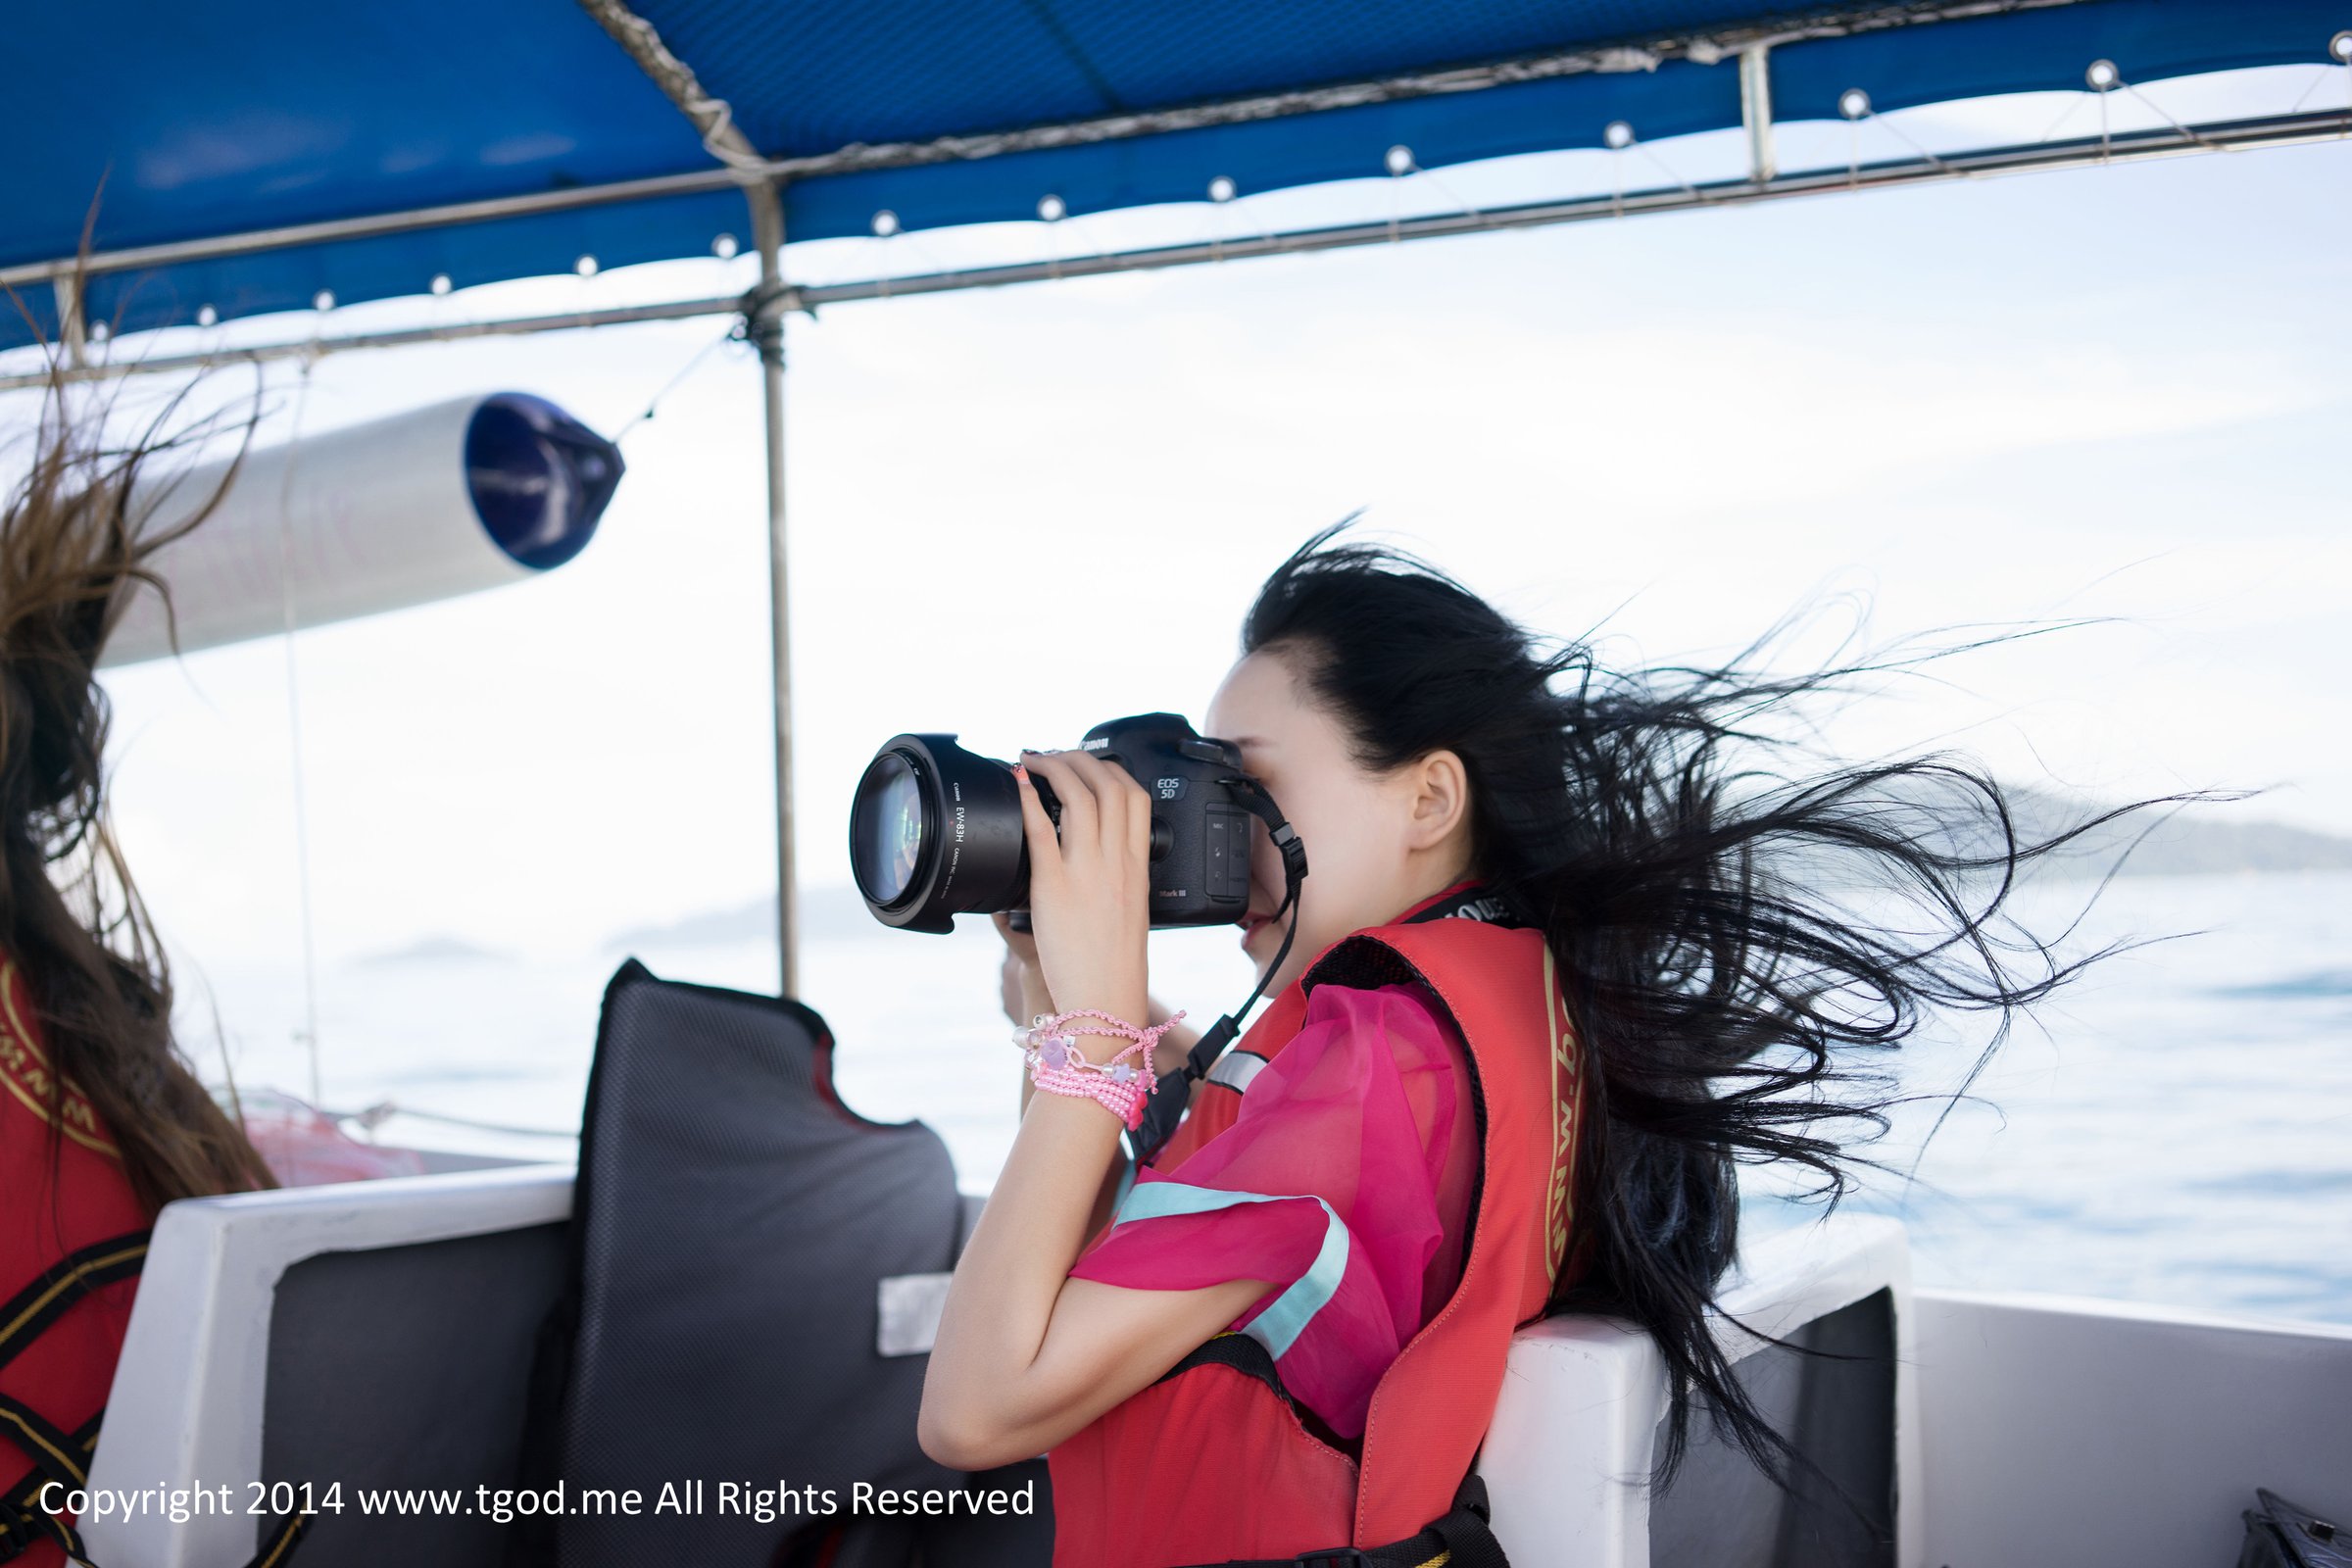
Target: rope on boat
[(302, 819), (733, 333)]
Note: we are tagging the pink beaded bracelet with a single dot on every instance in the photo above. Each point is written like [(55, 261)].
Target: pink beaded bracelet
[(1056, 1069), (1124, 1101)]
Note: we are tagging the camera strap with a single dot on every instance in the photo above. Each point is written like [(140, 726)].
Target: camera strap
[(1165, 1106)]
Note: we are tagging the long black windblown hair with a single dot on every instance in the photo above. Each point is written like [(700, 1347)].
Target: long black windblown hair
[(1746, 928)]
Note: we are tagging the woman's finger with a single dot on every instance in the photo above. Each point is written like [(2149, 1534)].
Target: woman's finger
[(1045, 849), (1123, 811), (1080, 817)]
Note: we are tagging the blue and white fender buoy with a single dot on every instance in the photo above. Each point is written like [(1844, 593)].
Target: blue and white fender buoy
[(441, 501)]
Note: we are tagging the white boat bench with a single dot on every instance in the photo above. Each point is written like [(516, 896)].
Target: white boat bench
[(384, 1331)]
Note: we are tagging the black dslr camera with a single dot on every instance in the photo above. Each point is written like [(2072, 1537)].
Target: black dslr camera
[(935, 831)]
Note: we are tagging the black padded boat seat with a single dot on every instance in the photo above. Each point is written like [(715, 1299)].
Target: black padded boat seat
[(732, 1232)]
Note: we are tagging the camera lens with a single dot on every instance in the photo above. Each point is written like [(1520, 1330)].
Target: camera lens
[(935, 831), (889, 828)]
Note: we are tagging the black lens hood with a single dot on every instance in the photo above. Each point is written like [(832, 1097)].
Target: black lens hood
[(973, 856)]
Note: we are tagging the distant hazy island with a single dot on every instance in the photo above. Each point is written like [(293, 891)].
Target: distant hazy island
[(2202, 840), (438, 950), (2197, 841)]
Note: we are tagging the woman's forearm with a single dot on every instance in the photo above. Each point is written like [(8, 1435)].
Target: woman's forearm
[(981, 1382)]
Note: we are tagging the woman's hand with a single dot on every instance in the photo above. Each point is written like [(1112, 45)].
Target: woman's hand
[(1089, 888)]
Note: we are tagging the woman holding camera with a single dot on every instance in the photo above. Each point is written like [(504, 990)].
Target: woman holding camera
[(1558, 969)]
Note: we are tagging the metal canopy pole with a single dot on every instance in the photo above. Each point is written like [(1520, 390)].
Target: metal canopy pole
[(763, 324), (1755, 112)]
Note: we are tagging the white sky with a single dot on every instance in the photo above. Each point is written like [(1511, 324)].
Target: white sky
[(2116, 392)]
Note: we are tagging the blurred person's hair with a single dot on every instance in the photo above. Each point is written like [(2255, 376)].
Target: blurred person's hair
[(73, 550)]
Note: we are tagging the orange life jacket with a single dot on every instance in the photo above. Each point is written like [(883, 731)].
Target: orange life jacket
[(1131, 1490)]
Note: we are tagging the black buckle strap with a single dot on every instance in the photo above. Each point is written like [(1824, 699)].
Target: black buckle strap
[(282, 1540), (23, 1528), (58, 1457), (24, 1524), (26, 1314), (17, 1536), (1462, 1539), (53, 1453), (1466, 1533)]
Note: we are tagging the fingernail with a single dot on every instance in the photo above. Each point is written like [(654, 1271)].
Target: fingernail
[(1019, 771)]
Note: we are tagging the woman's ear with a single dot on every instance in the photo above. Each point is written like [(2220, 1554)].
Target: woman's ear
[(1441, 801)]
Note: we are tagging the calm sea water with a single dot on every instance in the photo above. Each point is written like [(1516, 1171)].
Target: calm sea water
[(2174, 1127)]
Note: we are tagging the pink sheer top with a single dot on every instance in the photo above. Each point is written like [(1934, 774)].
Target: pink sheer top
[(1346, 1181)]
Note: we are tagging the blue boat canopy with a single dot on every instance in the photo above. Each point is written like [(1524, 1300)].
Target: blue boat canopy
[(174, 127)]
